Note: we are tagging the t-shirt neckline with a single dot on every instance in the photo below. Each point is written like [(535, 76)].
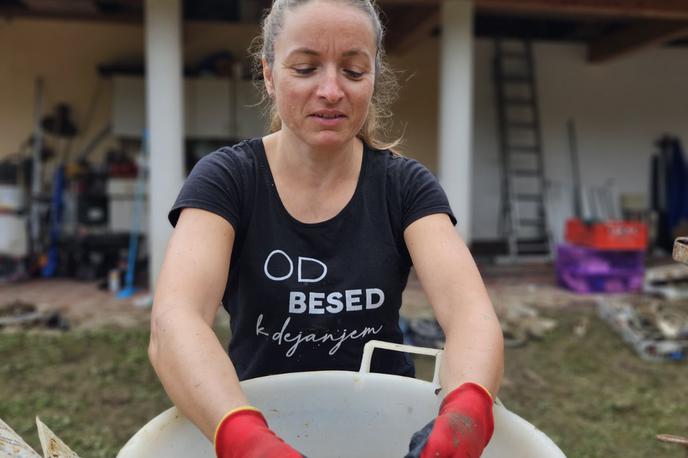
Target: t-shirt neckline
[(273, 188)]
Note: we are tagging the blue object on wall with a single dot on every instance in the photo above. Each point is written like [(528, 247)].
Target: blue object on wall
[(677, 185)]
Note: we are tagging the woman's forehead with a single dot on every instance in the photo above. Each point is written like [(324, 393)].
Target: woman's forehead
[(321, 27)]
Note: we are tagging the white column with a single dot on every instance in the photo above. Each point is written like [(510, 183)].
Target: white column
[(456, 109), (164, 118)]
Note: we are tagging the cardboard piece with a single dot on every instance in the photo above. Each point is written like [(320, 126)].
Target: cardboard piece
[(53, 447), (13, 446)]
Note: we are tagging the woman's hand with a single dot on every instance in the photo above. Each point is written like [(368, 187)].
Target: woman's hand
[(244, 433), (462, 429)]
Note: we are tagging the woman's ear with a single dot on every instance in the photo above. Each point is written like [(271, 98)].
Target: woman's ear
[(267, 77)]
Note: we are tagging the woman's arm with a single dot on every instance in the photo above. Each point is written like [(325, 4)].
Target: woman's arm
[(474, 344), (191, 363)]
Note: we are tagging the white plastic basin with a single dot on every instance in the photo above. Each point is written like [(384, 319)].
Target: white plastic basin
[(341, 414)]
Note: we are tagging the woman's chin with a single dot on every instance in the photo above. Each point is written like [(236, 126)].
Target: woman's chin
[(329, 140)]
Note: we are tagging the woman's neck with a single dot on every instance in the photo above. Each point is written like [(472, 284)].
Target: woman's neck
[(291, 158)]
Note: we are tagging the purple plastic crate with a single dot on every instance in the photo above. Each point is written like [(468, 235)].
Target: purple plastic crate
[(590, 260), (613, 282), (587, 270)]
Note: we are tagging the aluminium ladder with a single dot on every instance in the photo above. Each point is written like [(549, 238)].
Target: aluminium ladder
[(523, 217)]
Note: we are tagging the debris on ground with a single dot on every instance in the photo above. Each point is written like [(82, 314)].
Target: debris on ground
[(672, 439), (534, 378), (521, 322), (143, 301), (19, 314), (53, 445), (423, 332), (657, 330), (580, 329), (669, 282), (12, 445)]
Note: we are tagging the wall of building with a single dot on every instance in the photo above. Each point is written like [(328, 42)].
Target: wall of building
[(620, 108), (416, 110), (66, 54)]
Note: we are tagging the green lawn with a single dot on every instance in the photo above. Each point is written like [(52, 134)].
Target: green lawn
[(592, 395), (93, 389)]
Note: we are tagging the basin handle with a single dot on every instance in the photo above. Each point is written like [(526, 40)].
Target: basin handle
[(373, 344)]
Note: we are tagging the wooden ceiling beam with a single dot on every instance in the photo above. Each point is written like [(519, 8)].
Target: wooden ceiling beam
[(13, 12), (76, 6), (77, 10), (611, 9), (409, 28), (634, 38), (408, 2)]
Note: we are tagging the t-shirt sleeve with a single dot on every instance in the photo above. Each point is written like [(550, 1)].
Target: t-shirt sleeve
[(421, 193), (216, 184)]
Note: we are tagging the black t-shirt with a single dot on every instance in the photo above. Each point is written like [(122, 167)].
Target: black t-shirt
[(305, 297)]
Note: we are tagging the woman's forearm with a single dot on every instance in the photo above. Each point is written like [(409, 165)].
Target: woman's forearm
[(450, 278), (194, 369), (474, 351)]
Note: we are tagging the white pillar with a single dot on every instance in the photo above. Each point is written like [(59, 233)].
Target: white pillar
[(164, 118), (456, 109)]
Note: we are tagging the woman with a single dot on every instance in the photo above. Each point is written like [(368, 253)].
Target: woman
[(306, 236)]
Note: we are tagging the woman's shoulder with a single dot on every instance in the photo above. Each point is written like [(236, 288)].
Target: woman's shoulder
[(244, 153), (240, 160), (396, 165), (221, 182)]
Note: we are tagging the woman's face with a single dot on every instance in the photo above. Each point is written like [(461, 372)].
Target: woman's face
[(323, 75)]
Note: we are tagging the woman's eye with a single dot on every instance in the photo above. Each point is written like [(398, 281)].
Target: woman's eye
[(354, 74), (304, 70)]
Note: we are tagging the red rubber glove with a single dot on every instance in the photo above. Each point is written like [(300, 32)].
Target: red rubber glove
[(244, 433), (462, 429)]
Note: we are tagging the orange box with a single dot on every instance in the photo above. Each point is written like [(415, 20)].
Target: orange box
[(576, 231), (618, 235), (607, 235)]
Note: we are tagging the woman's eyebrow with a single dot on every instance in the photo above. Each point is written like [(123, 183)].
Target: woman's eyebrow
[(311, 52), (307, 51), (356, 52)]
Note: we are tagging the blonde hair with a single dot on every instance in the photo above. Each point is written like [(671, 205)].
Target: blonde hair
[(386, 88)]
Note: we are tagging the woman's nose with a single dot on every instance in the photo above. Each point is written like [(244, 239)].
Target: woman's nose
[(329, 86)]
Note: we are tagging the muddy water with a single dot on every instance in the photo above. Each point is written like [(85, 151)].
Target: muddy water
[(425, 367)]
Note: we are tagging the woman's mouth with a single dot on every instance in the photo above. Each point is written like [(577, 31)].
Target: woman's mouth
[(329, 115), (328, 119)]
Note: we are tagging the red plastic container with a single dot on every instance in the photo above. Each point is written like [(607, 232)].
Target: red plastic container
[(576, 231), (608, 235), (618, 235)]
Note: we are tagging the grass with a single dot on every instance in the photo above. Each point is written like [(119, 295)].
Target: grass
[(593, 396), (93, 389)]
